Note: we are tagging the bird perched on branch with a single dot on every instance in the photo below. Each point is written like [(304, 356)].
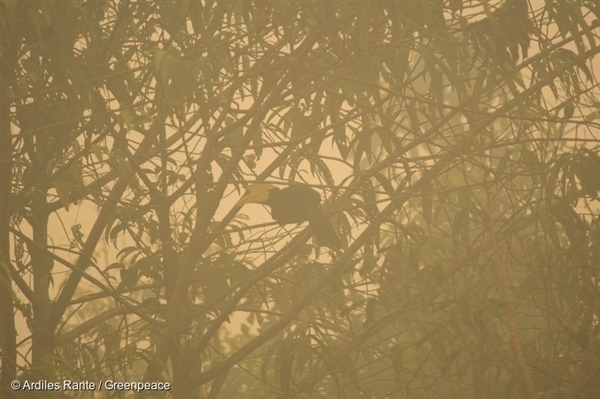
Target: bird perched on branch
[(294, 204)]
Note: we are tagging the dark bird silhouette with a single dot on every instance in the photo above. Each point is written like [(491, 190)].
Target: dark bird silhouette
[(294, 204)]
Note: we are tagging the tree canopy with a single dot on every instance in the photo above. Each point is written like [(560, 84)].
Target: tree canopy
[(455, 147)]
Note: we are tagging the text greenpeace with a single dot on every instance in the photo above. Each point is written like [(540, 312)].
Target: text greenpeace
[(111, 385), (72, 386)]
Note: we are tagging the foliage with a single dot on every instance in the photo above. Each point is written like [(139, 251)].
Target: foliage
[(455, 144)]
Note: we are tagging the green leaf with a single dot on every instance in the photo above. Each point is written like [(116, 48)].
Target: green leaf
[(370, 312), (569, 109)]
